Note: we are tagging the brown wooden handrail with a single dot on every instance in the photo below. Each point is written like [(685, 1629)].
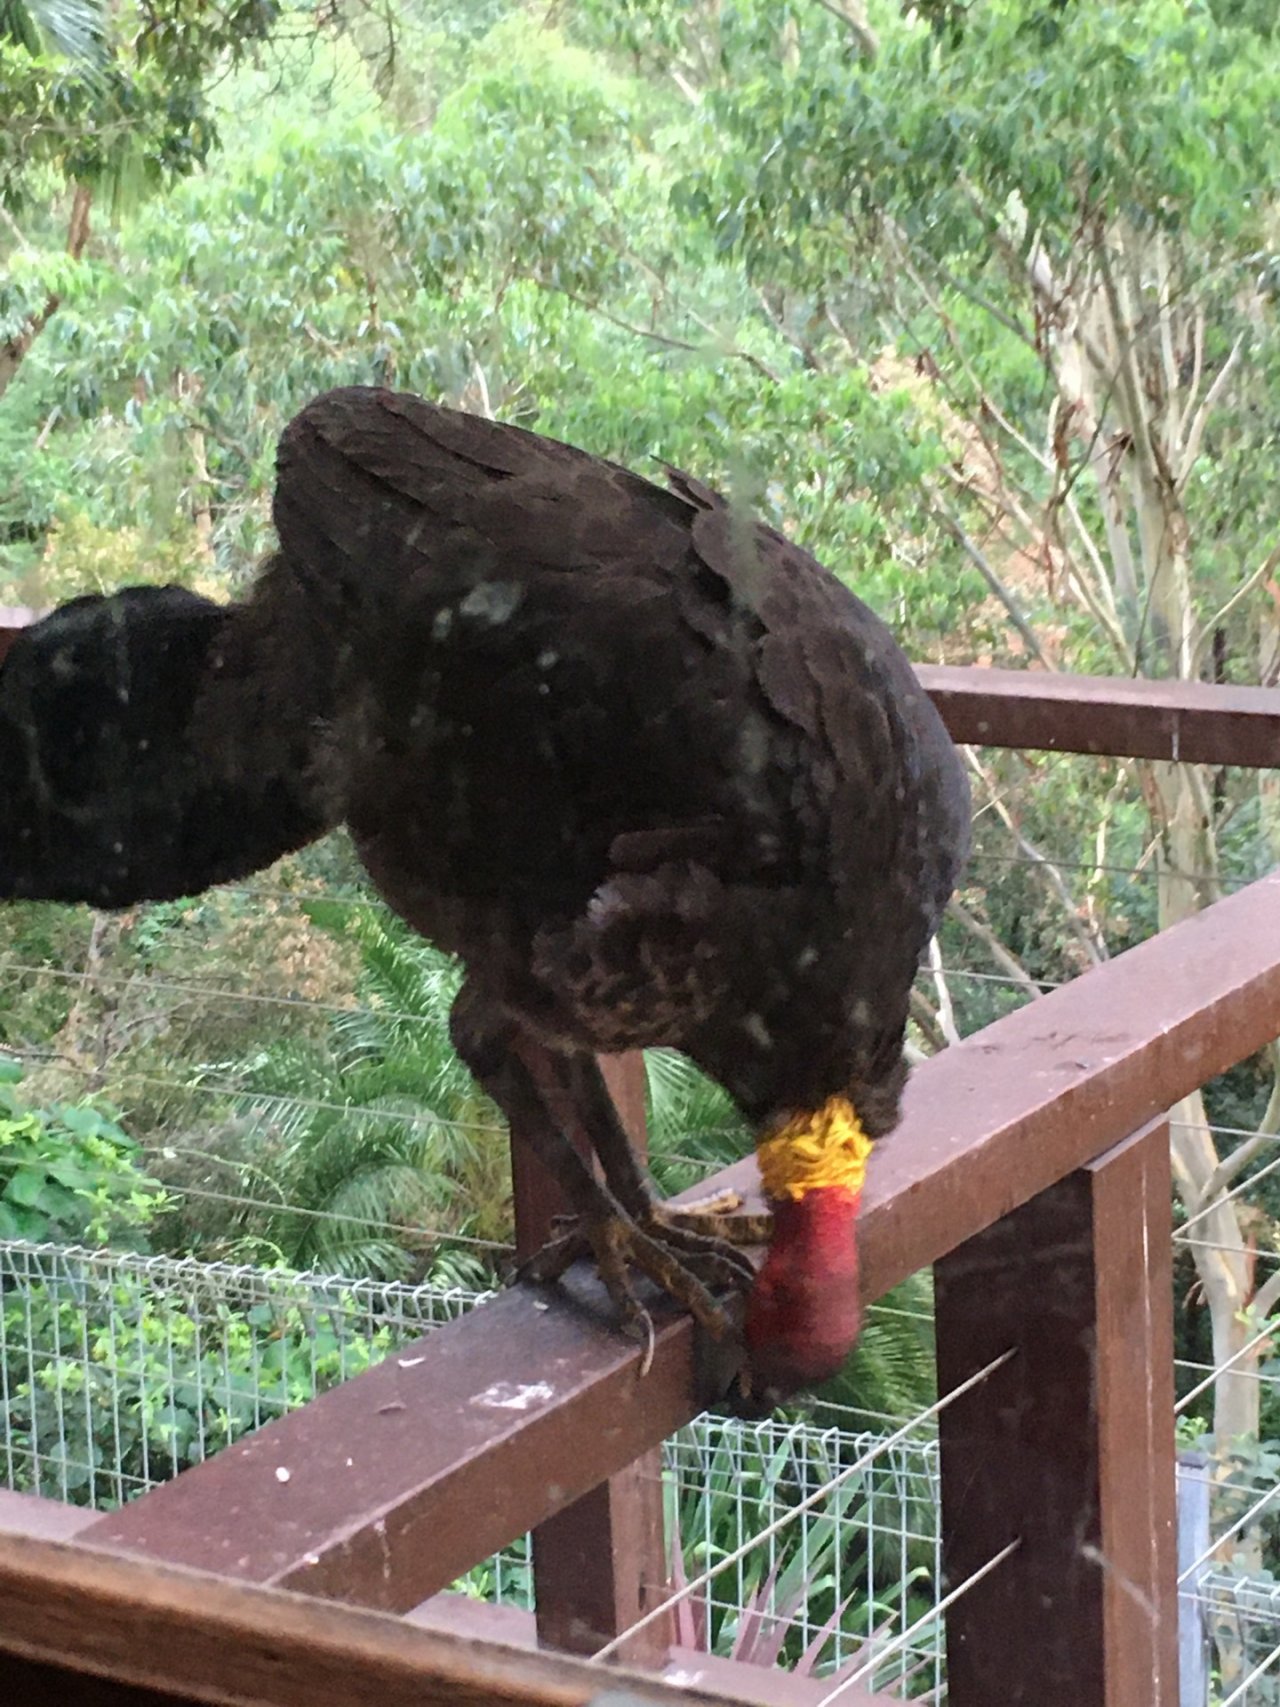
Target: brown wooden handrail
[(410, 1473), (1120, 716), (69, 1613)]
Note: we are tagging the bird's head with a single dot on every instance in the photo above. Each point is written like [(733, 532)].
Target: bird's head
[(803, 1313)]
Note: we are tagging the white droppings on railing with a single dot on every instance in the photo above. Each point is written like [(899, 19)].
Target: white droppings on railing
[(513, 1396)]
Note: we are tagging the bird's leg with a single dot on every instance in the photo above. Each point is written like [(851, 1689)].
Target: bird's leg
[(584, 1111), (524, 1079), (707, 1228)]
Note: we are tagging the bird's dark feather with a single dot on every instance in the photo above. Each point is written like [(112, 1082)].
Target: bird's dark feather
[(656, 775), (118, 772), (653, 772)]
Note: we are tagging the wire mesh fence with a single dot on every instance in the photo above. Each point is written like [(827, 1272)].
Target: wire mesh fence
[(1239, 1617), (829, 1584), (1229, 1488), (1228, 1592), (117, 1371)]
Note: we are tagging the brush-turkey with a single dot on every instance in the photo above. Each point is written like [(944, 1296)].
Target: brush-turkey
[(647, 768)]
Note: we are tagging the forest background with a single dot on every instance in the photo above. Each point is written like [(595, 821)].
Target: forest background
[(978, 302)]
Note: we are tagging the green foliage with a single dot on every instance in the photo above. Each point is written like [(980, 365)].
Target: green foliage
[(522, 239), (726, 1491), (71, 27), (31, 489), (693, 1126), (116, 1387), (114, 96), (109, 123), (68, 1172), (370, 1141), (975, 191), (1151, 111)]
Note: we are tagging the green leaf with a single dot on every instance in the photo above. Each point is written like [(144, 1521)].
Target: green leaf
[(25, 1188)]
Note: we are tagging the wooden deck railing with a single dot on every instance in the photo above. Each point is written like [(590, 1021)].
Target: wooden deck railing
[(1032, 1171)]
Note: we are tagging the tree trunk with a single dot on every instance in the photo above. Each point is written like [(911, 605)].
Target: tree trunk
[(1224, 1263), (14, 349), (88, 1037), (201, 512)]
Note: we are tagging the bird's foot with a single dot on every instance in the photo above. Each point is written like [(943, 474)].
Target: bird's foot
[(713, 1218), (684, 1265)]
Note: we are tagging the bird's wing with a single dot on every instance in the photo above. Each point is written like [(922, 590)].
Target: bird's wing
[(603, 657)]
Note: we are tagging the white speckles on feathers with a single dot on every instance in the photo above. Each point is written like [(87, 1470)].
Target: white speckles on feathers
[(492, 601)]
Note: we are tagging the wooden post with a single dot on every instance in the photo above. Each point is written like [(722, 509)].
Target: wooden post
[(1069, 1447), (601, 1562)]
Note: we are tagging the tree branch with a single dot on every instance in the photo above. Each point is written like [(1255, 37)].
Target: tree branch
[(1089, 938), (927, 1021), (1235, 1164), (955, 527), (14, 350), (1251, 584), (616, 320), (727, 343), (946, 1007), (1191, 448), (852, 14), (995, 948), (1267, 1296)]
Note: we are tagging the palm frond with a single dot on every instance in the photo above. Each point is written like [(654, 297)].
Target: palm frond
[(692, 1121), (74, 28), (378, 1127)]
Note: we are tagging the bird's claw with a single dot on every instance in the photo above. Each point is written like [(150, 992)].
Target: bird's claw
[(719, 1215), (681, 1263), (680, 1231)]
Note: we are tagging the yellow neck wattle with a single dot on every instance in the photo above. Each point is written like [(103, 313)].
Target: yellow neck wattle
[(814, 1151)]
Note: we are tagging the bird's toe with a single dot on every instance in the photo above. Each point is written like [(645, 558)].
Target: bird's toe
[(685, 1266)]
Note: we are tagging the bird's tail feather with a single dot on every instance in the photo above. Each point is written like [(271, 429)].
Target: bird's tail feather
[(124, 773)]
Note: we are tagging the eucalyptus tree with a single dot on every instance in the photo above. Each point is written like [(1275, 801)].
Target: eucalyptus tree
[(1064, 218), (104, 104)]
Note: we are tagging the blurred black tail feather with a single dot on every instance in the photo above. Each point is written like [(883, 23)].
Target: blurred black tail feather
[(149, 748)]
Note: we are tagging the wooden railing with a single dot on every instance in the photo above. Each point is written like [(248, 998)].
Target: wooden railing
[(1031, 1170)]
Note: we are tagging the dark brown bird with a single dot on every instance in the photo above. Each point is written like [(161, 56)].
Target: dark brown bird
[(648, 769)]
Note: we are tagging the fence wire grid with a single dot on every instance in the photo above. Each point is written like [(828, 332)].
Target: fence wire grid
[(117, 1371)]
